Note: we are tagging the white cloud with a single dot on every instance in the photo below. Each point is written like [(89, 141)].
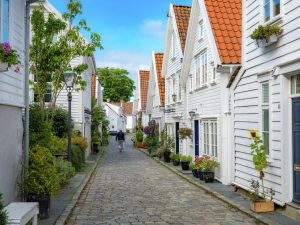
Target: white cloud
[(154, 28), (131, 61)]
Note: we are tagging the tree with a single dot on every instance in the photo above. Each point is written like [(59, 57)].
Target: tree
[(116, 84), (55, 43)]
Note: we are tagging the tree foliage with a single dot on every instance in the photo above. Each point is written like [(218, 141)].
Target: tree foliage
[(55, 43), (116, 84)]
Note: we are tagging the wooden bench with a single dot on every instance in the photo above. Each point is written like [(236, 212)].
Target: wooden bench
[(20, 213)]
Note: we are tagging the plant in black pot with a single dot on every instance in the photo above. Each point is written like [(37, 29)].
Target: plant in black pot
[(175, 159), (208, 166), (193, 169), (185, 162), (41, 180)]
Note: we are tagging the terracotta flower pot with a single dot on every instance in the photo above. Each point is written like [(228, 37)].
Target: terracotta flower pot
[(262, 206)]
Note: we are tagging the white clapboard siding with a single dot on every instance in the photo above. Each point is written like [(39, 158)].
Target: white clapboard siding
[(11, 83), (246, 98)]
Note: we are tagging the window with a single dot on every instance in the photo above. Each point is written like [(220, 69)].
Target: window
[(209, 137), (296, 85), (214, 75), (197, 71), (170, 91), (4, 20), (179, 87), (201, 69), (272, 9), (173, 45), (266, 115), (47, 97), (174, 86), (201, 30)]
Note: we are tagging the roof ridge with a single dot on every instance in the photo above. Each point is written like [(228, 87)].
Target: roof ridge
[(186, 6)]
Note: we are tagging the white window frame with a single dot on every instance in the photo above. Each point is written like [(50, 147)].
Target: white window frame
[(265, 106), (272, 9), (201, 67), (173, 86), (209, 136), (294, 87), (2, 20), (200, 30), (198, 71)]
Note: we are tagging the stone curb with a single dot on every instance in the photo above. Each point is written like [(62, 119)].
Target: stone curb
[(233, 204), (69, 209)]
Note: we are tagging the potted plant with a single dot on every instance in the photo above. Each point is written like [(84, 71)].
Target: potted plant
[(96, 142), (133, 139), (3, 213), (40, 180), (185, 133), (193, 169), (146, 142), (261, 198), (139, 139), (8, 57), (266, 35), (208, 166), (175, 159), (185, 162), (198, 165)]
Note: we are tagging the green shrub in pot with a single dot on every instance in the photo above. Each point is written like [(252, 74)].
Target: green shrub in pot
[(139, 136), (185, 158)]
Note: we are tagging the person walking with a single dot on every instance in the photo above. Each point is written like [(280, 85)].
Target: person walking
[(120, 138)]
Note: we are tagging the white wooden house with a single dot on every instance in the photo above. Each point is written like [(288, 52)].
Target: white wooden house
[(81, 100), (116, 117), (212, 53), (12, 85), (265, 97), (178, 20), (156, 92), (142, 94)]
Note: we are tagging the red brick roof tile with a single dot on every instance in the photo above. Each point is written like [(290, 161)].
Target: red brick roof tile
[(226, 21), (144, 82), (160, 79), (182, 15), (127, 107)]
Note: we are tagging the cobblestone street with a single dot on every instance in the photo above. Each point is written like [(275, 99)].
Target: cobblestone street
[(130, 188)]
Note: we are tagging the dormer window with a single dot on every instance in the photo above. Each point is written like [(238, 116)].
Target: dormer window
[(272, 8)]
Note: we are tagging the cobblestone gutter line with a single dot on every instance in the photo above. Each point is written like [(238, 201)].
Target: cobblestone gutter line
[(63, 218), (233, 204)]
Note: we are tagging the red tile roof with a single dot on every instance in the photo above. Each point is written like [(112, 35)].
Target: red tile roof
[(182, 16), (226, 21), (127, 107), (144, 82), (161, 81)]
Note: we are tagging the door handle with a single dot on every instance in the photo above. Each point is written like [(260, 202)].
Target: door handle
[(297, 167)]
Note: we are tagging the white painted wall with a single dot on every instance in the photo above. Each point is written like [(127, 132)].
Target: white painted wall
[(246, 106), (11, 104), (117, 121)]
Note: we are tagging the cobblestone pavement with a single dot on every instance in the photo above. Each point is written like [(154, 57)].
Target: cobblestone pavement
[(130, 188)]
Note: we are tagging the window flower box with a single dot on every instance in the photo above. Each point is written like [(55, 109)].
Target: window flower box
[(266, 35)]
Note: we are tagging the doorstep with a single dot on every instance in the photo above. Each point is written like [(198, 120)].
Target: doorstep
[(227, 194), (63, 202)]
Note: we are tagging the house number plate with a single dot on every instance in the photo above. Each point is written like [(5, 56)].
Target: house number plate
[(297, 167)]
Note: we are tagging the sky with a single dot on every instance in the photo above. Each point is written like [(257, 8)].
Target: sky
[(130, 30)]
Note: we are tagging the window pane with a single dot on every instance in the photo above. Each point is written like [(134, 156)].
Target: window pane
[(266, 142), (298, 84), (216, 140), (5, 29), (266, 120), (197, 65), (267, 10), (265, 93), (276, 7)]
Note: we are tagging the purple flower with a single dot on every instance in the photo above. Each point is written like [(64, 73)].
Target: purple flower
[(6, 47)]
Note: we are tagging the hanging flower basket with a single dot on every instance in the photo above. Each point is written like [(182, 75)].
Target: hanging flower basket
[(8, 57), (185, 133)]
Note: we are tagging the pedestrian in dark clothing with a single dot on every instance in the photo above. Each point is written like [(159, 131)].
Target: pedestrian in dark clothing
[(120, 138)]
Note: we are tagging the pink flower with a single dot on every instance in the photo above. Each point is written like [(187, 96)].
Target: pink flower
[(17, 69)]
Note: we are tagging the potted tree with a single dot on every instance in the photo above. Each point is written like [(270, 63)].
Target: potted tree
[(208, 166), (139, 139), (41, 180), (175, 159), (266, 35), (261, 198), (185, 162)]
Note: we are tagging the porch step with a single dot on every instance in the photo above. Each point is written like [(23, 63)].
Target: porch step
[(292, 210)]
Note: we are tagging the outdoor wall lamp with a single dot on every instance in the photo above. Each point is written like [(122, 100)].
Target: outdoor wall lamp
[(69, 76), (192, 114)]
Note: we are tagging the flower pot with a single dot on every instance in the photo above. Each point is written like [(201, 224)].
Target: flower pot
[(138, 144), (176, 163), (195, 173), (209, 177), (200, 174), (267, 42), (262, 206), (95, 148), (145, 146), (185, 165), (3, 67), (167, 157), (44, 204)]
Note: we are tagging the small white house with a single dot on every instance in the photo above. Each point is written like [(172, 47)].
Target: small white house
[(212, 54), (116, 117), (142, 94), (12, 103), (81, 100), (175, 104), (156, 92), (265, 97)]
